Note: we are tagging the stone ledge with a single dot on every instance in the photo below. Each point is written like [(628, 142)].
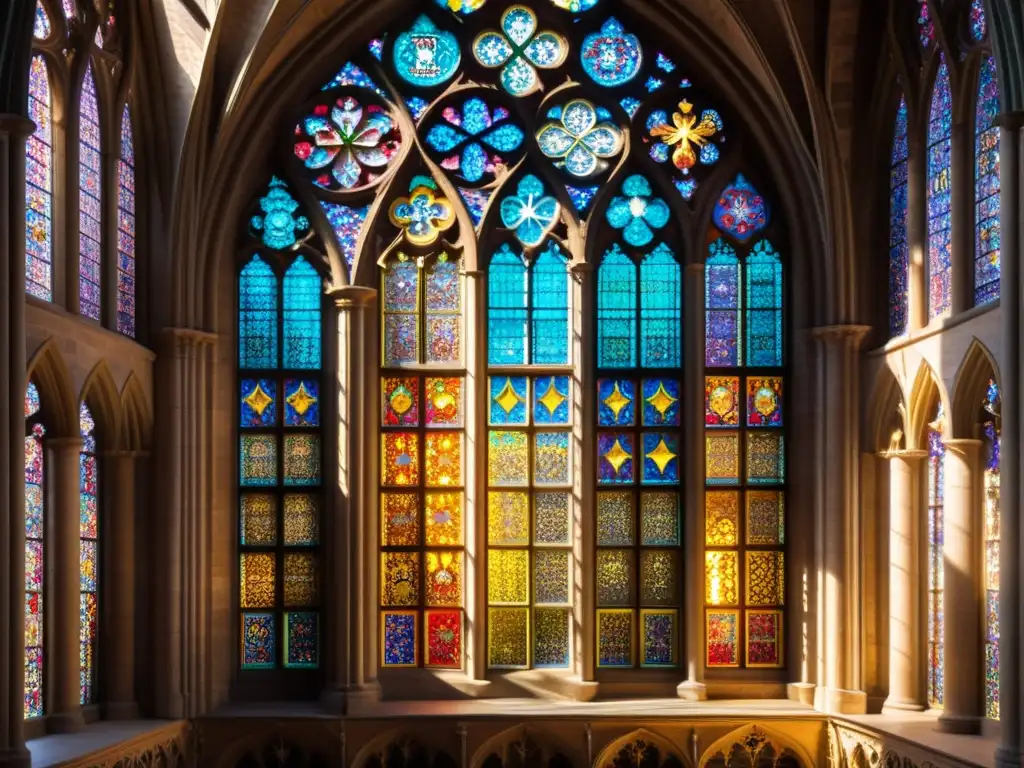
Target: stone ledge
[(108, 742)]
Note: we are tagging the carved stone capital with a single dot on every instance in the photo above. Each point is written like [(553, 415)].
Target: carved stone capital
[(350, 297), (848, 334), (16, 126), (180, 339), (1011, 121)]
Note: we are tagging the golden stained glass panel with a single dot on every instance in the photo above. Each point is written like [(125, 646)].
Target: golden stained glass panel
[(300, 579), (443, 463), (766, 461), (399, 519), (257, 575), (551, 576), (508, 460), (765, 518), (301, 459), (765, 578), (508, 576), (444, 579), (721, 578), (615, 638), (614, 577), (508, 638), (722, 514), (443, 398), (722, 456), (400, 459), (615, 519), (508, 518), (551, 518), (444, 519), (659, 519), (659, 577), (301, 520), (400, 578), (258, 519)]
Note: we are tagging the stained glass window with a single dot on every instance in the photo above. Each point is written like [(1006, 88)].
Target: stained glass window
[(638, 573), (90, 200), (979, 26), (39, 186), (423, 464), (936, 524), (986, 186), (530, 454), (41, 28), (925, 26), (126, 276), (990, 424), (899, 249), (745, 456), (281, 454), (89, 483), (940, 130), (35, 528)]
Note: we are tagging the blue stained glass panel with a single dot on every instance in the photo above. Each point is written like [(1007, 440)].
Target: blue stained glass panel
[(661, 458), (426, 56), (509, 400), (257, 315), (258, 403), (899, 250), (661, 402), (347, 222), (940, 128), (764, 306), (660, 309), (259, 641), (986, 186), (979, 25), (550, 304), (616, 402), (507, 308), (476, 201), (301, 403), (399, 639), (611, 57), (616, 453), (301, 316), (350, 75), (302, 639), (722, 328), (616, 311), (551, 400), (581, 197)]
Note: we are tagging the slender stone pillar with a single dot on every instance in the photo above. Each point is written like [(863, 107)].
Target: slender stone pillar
[(961, 550), (837, 543), (905, 645), (693, 688), (1010, 752), (14, 130), (961, 198), (64, 636), (119, 589), (475, 481)]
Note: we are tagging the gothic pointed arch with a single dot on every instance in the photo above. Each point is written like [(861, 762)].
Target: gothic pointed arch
[(756, 746), (48, 370), (100, 392), (926, 396), (642, 746), (970, 385), (524, 745), (887, 419)]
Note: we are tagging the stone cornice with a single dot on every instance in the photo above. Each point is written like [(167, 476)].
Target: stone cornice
[(18, 126), (1011, 121), (352, 296)]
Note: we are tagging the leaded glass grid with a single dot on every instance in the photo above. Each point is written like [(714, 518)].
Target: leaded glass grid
[(940, 132), (281, 459), (745, 453), (39, 185), (90, 200), (126, 261), (986, 186), (990, 429), (899, 248), (36, 524), (936, 537), (89, 547)]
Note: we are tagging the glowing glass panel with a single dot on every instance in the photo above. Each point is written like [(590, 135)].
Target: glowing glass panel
[(126, 277), (899, 248), (39, 186), (986, 186), (90, 200), (940, 131)]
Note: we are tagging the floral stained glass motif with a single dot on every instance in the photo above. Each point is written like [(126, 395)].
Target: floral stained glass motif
[(423, 215), (90, 553), (936, 537), (426, 56), (940, 129), (740, 211), (581, 140), (899, 248), (637, 212), (684, 135), (355, 141), (90, 199), (476, 142), (35, 526), (986, 186), (991, 433), (520, 49), (530, 213), (39, 186), (611, 56), (278, 223), (126, 262)]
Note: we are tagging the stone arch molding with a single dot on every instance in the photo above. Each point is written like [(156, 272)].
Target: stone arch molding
[(534, 745), (977, 367), (928, 389), (887, 425), (753, 740), (417, 753), (53, 379), (100, 392), (312, 751), (632, 745)]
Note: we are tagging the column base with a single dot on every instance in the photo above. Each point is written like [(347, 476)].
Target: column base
[(15, 758), (902, 705), (836, 701), (65, 722), (801, 692), (121, 710), (965, 724), (1006, 757), (691, 690)]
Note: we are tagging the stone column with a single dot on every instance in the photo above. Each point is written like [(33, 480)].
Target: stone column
[(14, 130), (63, 643), (118, 608), (961, 202), (961, 550), (917, 235), (180, 544), (693, 688), (1010, 752), (475, 482), (585, 350), (836, 523), (905, 646)]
